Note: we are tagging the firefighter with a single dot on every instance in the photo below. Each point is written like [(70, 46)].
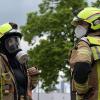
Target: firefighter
[(85, 56), (15, 78)]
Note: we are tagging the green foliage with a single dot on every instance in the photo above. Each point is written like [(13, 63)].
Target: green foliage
[(96, 4), (51, 55), (50, 59)]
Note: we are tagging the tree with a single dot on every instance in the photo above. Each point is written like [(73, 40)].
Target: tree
[(51, 55), (96, 4)]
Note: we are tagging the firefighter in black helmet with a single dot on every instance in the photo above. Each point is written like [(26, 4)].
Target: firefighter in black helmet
[(15, 80)]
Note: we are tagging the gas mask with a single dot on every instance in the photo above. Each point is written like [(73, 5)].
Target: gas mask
[(80, 31), (12, 45)]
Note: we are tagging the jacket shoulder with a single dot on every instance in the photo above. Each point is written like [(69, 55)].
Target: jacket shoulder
[(83, 42)]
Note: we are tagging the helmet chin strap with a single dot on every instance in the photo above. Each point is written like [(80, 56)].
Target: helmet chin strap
[(89, 31)]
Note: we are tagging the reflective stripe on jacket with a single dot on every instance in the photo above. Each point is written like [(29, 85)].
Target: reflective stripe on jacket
[(95, 46)]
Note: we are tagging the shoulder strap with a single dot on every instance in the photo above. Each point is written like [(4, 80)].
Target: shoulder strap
[(85, 39)]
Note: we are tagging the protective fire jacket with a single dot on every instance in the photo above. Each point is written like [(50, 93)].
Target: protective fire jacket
[(8, 84), (87, 50)]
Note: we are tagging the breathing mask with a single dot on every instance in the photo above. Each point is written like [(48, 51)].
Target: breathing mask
[(80, 31), (12, 45)]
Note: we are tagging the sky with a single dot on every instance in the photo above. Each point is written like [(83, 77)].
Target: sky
[(16, 10)]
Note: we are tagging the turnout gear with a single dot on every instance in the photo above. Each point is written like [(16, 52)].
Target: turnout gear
[(15, 78), (85, 56)]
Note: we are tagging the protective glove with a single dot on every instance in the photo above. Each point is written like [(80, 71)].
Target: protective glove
[(33, 74), (33, 71)]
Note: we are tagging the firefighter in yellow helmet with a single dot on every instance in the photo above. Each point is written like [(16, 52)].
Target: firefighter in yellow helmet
[(85, 56), (16, 81)]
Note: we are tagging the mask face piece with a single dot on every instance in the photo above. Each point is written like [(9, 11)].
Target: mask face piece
[(80, 31), (12, 44)]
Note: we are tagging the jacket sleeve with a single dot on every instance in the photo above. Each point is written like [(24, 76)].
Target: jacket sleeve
[(82, 53)]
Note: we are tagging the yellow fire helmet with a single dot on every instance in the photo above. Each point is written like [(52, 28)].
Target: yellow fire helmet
[(90, 15), (6, 28)]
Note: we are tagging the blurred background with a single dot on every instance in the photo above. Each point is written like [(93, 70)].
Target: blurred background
[(48, 37)]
